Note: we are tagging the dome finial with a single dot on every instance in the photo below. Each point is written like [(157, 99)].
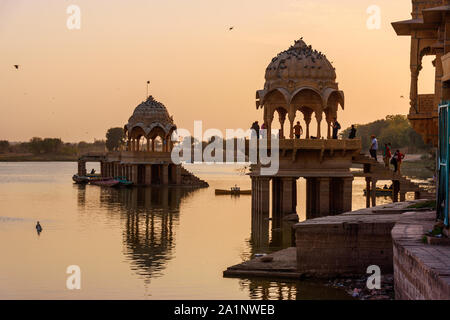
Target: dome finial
[(148, 84)]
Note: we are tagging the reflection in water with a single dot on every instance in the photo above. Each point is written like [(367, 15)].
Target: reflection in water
[(151, 215), (268, 235), (289, 290)]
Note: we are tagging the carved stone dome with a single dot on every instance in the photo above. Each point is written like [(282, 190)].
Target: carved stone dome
[(300, 77), (298, 66), (149, 115)]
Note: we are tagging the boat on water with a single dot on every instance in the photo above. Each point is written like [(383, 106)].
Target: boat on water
[(105, 182), (80, 179), (123, 181), (381, 192), (93, 175), (98, 180), (235, 191)]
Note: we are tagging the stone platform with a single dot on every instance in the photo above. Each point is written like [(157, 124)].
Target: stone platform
[(421, 271), (284, 265), (342, 245)]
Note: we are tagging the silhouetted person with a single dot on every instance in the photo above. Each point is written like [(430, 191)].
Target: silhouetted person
[(336, 128), (399, 158), (298, 130), (387, 154), (93, 171), (263, 130), (374, 147), (352, 134), (255, 126)]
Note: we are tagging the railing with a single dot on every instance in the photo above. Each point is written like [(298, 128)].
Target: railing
[(443, 164)]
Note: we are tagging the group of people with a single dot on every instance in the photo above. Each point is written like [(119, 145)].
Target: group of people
[(298, 129), (388, 158)]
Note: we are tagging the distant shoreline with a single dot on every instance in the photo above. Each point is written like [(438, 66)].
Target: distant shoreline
[(36, 158)]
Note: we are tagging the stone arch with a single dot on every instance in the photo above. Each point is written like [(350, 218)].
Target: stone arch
[(158, 136), (278, 96), (157, 131), (136, 132), (333, 98), (307, 97)]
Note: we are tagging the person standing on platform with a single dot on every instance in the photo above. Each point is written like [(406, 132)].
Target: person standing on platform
[(399, 158), (298, 130), (352, 134), (373, 147), (263, 130), (336, 128), (387, 154), (255, 127)]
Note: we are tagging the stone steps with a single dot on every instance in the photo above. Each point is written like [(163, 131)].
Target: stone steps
[(188, 178), (380, 172)]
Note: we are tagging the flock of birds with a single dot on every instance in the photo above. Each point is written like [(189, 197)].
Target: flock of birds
[(299, 51)]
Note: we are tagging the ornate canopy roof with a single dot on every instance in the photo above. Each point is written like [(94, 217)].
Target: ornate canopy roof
[(297, 69), (149, 115)]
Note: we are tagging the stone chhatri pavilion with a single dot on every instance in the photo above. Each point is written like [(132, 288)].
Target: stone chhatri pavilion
[(146, 159), (300, 79), (150, 121)]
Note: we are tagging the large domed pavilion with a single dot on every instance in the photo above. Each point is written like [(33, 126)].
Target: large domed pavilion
[(300, 79)]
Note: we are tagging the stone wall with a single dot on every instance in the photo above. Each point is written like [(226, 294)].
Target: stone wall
[(421, 271), (345, 245)]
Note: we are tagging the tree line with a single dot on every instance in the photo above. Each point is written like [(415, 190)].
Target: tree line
[(55, 146), (394, 129)]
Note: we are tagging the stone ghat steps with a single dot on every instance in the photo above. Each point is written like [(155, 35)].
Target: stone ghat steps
[(380, 172), (188, 178)]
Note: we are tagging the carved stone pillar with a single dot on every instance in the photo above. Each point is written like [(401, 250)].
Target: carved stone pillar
[(307, 118), (329, 120), (323, 190), (282, 119), (438, 78), (165, 174), (265, 195), (368, 180), (373, 192), (291, 117), (319, 121), (413, 91), (134, 174), (347, 194), (288, 196), (276, 200), (148, 174)]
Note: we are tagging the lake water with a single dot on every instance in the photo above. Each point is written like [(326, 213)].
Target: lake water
[(137, 243)]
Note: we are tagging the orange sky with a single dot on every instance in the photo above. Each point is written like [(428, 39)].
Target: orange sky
[(75, 84)]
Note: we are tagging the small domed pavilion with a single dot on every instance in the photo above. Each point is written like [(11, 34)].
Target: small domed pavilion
[(300, 79), (151, 121), (146, 159)]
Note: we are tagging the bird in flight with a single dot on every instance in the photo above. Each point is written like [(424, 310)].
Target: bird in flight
[(16, 66), (231, 28)]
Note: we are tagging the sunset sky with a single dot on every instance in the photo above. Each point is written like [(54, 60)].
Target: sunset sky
[(75, 84)]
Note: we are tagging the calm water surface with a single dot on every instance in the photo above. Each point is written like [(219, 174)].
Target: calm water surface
[(138, 243)]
